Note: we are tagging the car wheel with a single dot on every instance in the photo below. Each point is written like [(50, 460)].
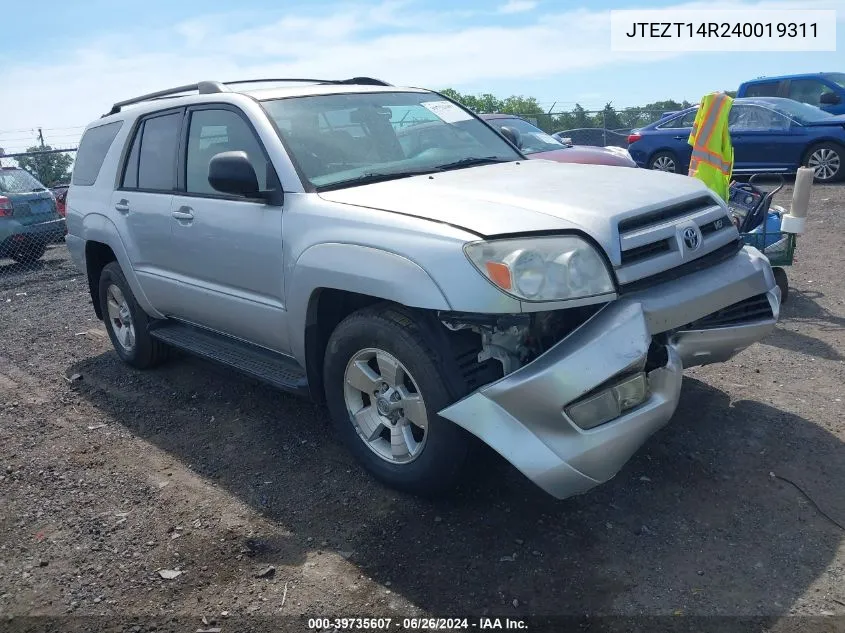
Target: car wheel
[(384, 385), (126, 323), (782, 282), (30, 252), (664, 161), (826, 161)]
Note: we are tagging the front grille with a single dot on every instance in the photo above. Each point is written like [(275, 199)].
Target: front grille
[(665, 215), (645, 252), (749, 310), (711, 259), (653, 245)]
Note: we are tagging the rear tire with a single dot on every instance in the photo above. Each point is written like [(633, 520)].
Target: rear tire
[(362, 352), (126, 322), (826, 159), (664, 161), (30, 253)]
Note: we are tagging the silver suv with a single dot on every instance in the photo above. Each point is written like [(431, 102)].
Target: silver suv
[(385, 251)]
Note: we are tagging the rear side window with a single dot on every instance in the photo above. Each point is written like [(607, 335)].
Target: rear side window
[(763, 89), (92, 152), (151, 163)]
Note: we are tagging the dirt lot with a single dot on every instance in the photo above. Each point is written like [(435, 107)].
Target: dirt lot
[(108, 475)]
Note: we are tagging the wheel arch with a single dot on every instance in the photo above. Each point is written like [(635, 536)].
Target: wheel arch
[(821, 141), (330, 281), (103, 243)]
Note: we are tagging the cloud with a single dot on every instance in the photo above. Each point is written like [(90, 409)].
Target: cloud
[(400, 41), (518, 6)]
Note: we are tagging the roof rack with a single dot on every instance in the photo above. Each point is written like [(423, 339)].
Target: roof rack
[(212, 87)]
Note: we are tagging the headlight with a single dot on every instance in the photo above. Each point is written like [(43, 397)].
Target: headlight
[(542, 268)]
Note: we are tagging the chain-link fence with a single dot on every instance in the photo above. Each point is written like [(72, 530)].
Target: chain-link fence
[(597, 127), (33, 189)]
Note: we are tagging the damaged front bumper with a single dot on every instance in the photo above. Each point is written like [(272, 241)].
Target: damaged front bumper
[(705, 317)]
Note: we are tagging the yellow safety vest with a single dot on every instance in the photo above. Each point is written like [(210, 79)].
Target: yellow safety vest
[(712, 152)]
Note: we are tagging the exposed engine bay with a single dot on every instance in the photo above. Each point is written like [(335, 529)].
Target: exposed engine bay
[(515, 340)]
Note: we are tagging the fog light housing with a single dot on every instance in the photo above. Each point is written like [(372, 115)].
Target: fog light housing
[(610, 403)]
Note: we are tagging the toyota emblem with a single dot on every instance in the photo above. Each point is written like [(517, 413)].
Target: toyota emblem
[(692, 238)]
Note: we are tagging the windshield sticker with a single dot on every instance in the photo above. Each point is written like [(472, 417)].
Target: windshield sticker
[(446, 111)]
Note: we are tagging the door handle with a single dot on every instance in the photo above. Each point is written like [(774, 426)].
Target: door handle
[(122, 206), (184, 214), (680, 138)]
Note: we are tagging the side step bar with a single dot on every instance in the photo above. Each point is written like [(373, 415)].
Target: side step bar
[(275, 369)]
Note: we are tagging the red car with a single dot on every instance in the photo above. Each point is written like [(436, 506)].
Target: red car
[(535, 143), (60, 194)]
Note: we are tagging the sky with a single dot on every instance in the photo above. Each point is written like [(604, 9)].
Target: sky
[(63, 64)]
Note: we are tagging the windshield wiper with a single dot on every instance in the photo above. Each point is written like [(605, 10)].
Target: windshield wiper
[(374, 177), (472, 161)]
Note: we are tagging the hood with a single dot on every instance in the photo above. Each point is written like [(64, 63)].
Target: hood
[(529, 196), (586, 154)]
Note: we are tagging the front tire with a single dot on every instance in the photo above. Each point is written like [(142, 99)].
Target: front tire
[(826, 159), (126, 322), (384, 382)]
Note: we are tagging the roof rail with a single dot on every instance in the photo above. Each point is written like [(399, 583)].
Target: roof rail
[(362, 81), (212, 87), (203, 87)]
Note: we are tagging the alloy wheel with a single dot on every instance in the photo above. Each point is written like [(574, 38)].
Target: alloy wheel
[(825, 162), (664, 163), (385, 406), (120, 318)]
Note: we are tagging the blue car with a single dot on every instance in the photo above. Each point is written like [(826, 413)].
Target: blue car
[(825, 90), (769, 135), (29, 219)]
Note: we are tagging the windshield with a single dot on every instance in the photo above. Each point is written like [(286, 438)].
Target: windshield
[(348, 139), (532, 139), (801, 112), (18, 181), (837, 78)]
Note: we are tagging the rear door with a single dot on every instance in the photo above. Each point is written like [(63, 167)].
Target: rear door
[(227, 249), (141, 205)]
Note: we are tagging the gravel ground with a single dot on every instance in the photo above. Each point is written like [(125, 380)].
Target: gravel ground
[(110, 476)]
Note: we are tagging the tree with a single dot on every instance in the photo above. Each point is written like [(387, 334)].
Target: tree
[(49, 169)]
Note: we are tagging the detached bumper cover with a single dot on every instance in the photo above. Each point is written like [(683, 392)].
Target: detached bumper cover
[(522, 415)]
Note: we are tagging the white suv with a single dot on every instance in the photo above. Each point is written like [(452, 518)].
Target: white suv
[(385, 250)]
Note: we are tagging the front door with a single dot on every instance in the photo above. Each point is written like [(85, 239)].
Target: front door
[(227, 250), (760, 139)]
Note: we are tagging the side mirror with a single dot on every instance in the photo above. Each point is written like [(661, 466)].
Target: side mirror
[(830, 98), (512, 135), (231, 172)]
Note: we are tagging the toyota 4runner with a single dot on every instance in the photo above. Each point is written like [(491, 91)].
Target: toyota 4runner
[(386, 251)]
